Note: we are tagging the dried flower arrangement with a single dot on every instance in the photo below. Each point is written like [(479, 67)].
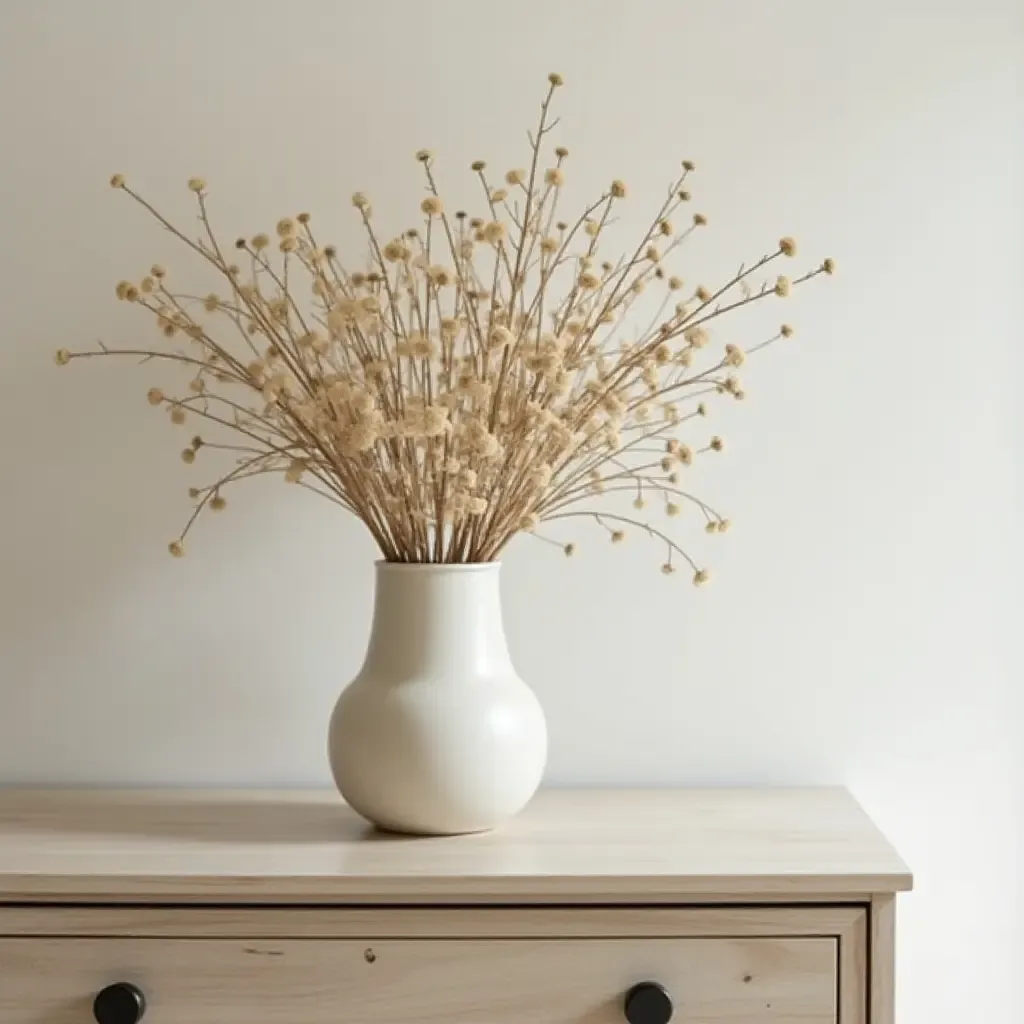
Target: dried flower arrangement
[(472, 381)]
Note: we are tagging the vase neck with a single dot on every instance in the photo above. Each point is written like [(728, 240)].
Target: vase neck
[(441, 621)]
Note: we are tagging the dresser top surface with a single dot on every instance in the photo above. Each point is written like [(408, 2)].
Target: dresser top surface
[(250, 846)]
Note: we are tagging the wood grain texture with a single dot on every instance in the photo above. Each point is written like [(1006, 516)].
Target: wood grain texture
[(712, 981), (839, 922), (853, 970), (882, 959), (584, 845)]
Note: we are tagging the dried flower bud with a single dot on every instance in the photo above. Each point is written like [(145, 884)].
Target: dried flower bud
[(570, 550), (556, 79), (432, 206), (62, 357), (711, 526), (618, 536), (157, 271), (289, 244), (652, 253), (782, 286), (829, 266), (703, 295), (787, 246), (494, 232), (618, 189), (683, 195), (699, 220), (589, 281), (117, 181), (689, 165), (516, 176), (217, 503), (672, 509), (734, 355), (478, 165), (639, 503), (197, 184), (154, 396), (702, 409), (561, 152), (303, 218), (716, 444), (424, 156), (260, 241), (176, 548), (723, 525), (178, 415), (668, 568), (786, 331), (529, 523), (360, 201), (194, 492), (675, 283), (554, 176), (700, 577), (285, 227), (188, 456)]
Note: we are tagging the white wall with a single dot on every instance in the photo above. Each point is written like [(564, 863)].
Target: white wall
[(857, 628)]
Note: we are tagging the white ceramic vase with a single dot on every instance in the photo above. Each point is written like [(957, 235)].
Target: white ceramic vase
[(437, 735)]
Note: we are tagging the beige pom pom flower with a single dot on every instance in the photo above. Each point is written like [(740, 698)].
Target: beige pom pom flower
[(702, 293), (618, 189), (672, 509), (529, 523), (289, 244), (700, 577), (782, 286), (176, 548), (285, 227), (589, 280), (178, 416), (62, 357), (618, 536), (699, 219), (786, 331), (556, 79), (554, 176), (787, 246), (494, 232), (154, 396), (197, 184), (668, 568), (117, 181), (829, 266), (157, 271), (516, 176), (675, 283), (716, 444), (432, 206), (188, 456), (260, 241), (734, 355)]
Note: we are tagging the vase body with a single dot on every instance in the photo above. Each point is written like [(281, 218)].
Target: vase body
[(437, 735)]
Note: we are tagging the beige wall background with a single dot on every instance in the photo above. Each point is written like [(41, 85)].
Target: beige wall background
[(858, 630)]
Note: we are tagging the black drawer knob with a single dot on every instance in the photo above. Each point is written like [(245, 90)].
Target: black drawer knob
[(119, 1004), (648, 1003)]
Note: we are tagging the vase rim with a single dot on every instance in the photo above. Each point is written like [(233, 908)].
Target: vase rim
[(383, 565)]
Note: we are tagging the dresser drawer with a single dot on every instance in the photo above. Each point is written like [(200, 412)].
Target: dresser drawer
[(416, 981)]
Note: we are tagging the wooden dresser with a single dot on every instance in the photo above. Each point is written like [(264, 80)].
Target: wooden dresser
[(593, 907)]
